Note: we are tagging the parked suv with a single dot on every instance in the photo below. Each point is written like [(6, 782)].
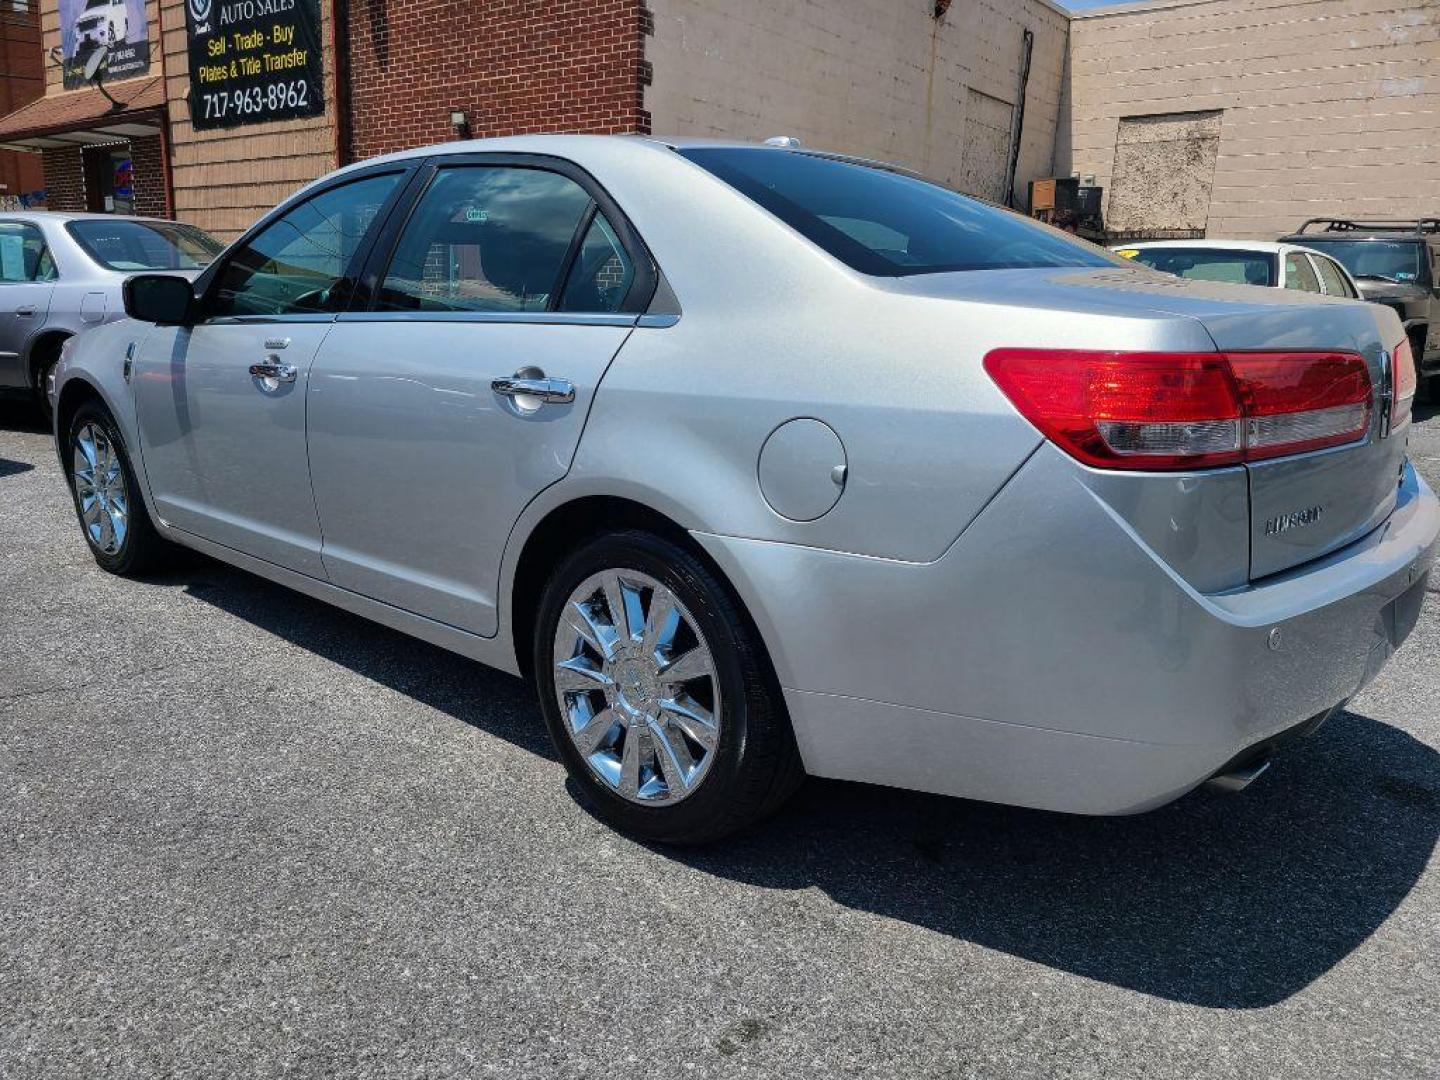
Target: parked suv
[(1396, 263), (61, 274)]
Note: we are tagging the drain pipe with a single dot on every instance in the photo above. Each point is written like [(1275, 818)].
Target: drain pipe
[(1017, 122)]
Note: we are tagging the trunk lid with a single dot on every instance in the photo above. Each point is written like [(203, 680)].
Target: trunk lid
[(1303, 506)]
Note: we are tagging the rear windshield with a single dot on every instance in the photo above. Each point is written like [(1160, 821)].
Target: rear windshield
[(1374, 260), (888, 223), (125, 244), (1233, 267)]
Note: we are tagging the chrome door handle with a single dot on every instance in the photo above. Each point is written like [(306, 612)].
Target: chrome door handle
[(273, 369), (545, 390), (27, 310)]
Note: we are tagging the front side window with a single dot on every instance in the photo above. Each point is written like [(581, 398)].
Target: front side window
[(1331, 277), (488, 238), (298, 262), (888, 223), (121, 244), (1298, 274), (24, 255), (1197, 264)]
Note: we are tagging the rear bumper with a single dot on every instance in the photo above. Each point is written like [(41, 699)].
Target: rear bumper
[(1051, 659)]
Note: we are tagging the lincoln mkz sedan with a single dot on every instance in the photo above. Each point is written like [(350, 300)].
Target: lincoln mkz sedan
[(764, 462)]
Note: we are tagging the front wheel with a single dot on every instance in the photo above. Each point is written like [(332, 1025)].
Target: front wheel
[(107, 498), (657, 692)]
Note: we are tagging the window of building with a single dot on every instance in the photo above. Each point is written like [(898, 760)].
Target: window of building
[(296, 263), (490, 238)]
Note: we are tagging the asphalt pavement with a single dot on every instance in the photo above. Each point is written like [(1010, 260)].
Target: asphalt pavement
[(245, 834)]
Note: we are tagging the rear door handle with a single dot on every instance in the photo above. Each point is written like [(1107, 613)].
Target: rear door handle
[(545, 390), (273, 369), (26, 311)]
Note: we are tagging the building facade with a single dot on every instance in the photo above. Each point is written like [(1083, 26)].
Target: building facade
[(22, 80), (1242, 118), (968, 91)]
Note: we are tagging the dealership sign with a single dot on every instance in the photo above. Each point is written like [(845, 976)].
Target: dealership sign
[(104, 39), (253, 61)]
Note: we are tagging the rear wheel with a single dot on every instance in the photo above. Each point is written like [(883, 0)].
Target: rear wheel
[(107, 499), (44, 367), (658, 694)]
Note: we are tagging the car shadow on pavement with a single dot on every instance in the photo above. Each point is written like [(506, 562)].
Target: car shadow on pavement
[(21, 414), (482, 697), (1226, 901)]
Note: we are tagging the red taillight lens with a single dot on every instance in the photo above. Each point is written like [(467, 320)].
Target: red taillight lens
[(1147, 411), (1402, 366)]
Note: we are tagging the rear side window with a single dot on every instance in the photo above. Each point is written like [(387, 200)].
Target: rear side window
[(24, 255), (295, 263), (1331, 277), (602, 273), (122, 244), (1232, 267), (888, 223), (485, 238), (1298, 274)]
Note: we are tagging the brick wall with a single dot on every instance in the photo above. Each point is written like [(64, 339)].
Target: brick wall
[(64, 179), (22, 80), (513, 66), (149, 176)]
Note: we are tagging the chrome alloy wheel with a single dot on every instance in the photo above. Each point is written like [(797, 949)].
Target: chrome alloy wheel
[(100, 489), (637, 687)]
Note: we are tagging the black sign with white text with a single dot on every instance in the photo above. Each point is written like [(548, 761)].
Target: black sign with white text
[(254, 60)]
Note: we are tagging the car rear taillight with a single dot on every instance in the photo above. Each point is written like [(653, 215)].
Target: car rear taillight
[(1165, 411), (1402, 366)]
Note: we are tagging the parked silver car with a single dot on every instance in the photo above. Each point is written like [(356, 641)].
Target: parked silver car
[(61, 274), (763, 462)]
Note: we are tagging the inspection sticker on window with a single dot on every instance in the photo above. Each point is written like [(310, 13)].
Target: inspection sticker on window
[(471, 214)]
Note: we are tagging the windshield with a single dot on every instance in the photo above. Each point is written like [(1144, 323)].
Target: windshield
[(126, 244), (1197, 264), (889, 223), (1374, 260)]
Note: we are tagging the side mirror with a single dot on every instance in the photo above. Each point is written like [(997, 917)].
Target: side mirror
[(160, 298)]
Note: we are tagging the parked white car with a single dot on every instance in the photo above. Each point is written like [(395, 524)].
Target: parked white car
[(1246, 262), (102, 24)]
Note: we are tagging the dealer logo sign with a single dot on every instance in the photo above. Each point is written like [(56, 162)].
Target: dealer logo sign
[(200, 12)]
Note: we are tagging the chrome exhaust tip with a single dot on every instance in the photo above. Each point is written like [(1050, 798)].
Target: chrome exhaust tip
[(1238, 779)]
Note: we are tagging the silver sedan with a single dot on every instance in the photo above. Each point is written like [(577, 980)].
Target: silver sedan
[(764, 462), (60, 274)]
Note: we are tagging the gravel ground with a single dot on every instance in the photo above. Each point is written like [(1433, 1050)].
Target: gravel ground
[(243, 834)]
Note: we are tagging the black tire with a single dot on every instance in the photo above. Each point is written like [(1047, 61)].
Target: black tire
[(756, 764), (44, 366), (142, 548)]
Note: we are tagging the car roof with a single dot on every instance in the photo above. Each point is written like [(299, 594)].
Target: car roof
[(1268, 247), (1394, 236), (67, 215)]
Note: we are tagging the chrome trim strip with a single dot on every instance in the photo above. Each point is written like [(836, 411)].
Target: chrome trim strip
[(539, 318), (261, 320), (658, 322)]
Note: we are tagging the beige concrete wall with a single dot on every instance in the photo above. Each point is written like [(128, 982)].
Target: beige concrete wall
[(1331, 107), (879, 78), (225, 178)]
